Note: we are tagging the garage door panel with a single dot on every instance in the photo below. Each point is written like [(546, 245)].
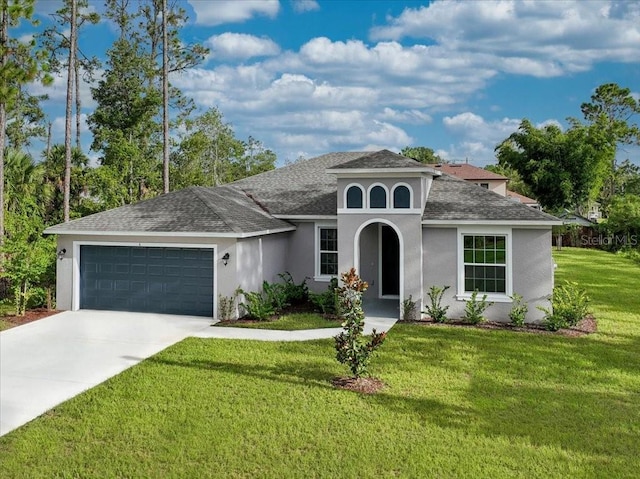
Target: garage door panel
[(147, 279)]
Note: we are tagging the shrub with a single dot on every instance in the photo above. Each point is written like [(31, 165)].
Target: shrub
[(294, 293), (351, 347), (569, 306), (326, 302), (435, 310), (257, 305), (227, 305), (474, 309), (408, 309), (519, 310), (276, 295)]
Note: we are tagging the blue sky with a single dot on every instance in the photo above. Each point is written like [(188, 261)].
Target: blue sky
[(309, 77)]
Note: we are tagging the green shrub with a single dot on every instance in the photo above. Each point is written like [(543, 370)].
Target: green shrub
[(632, 254), (569, 305), (435, 310), (257, 305), (294, 293), (326, 302), (475, 308), (408, 309), (276, 295), (352, 348), (519, 310)]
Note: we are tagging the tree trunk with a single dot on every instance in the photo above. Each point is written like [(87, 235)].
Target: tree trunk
[(71, 71), (78, 101), (48, 151), (165, 100), (4, 34)]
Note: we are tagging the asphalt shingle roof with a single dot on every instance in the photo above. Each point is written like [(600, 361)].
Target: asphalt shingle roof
[(301, 189), (465, 171), (451, 198), (194, 209)]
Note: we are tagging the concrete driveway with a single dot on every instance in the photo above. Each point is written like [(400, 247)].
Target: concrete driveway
[(46, 362)]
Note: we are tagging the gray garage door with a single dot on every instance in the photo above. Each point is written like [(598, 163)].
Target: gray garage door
[(147, 279)]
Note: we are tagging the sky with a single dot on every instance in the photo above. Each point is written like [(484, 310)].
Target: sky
[(308, 77)]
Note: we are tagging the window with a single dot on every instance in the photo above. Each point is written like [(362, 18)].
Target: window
[(354, 197), (377, 197), (484, 185), (485, 263), (401, 197), (328, 251)]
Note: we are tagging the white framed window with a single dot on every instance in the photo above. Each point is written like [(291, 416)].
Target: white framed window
[(402, 196), (354, 197), (378, 195), (326, 252), (485, 264)]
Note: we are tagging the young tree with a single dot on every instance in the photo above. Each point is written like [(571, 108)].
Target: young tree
[(20, 64)]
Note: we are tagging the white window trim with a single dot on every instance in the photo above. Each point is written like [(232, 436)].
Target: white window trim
[(75, 294), (386, 189), (317, 276), (486, 230), (364, 197), (393, 191)]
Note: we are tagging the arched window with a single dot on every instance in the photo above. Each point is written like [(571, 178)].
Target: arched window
[(401, 197), (354, 197), (377, 197)]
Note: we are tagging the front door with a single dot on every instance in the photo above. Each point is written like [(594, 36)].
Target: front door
[(390, 262)]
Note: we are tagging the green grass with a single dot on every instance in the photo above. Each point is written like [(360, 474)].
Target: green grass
[(459, 402), (289, 322)]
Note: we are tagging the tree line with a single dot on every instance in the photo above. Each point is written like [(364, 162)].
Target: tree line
[(148, 137)]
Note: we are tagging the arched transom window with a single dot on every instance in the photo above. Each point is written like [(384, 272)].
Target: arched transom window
[(354, 197), (401, 197), (377, 197)]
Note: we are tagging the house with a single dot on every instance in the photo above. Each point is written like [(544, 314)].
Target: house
[(486, 179), (404, 226)]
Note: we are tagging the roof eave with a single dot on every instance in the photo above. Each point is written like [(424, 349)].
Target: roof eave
[(446, 222), (365, 172), (192, 234)]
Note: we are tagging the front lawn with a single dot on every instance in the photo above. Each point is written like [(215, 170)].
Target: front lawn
[(288, 322), (459, 402)]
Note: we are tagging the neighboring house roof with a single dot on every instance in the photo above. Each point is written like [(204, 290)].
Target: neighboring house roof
[(521, 198), (465, 171), (453, 199), (304, 189), (572, 218)]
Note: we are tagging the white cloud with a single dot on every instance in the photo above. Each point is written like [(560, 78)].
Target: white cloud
[(478, 137), (232, 11), (535, 38), (301, 6), (240, 46), (58, 125)]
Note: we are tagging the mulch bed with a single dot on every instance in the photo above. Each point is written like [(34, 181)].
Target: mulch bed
[(360, 385), (587, 326), (292, 309), (29, 316)]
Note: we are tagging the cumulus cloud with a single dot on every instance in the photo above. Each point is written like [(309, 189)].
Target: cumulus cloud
[(232, 11), (301, 6), (240, 46), (542, 39)]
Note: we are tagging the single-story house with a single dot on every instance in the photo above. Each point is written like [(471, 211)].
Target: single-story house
[(403, 225)]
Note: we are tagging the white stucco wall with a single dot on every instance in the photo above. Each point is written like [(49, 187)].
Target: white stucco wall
[(532, 270)]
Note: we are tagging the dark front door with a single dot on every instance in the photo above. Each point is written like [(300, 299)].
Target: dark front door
[(390, 261), (147, 279)]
